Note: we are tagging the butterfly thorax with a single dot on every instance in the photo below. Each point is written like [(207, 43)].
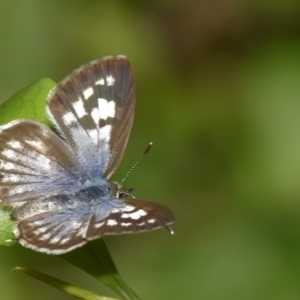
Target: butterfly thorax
[(86, 195), (103, 190)]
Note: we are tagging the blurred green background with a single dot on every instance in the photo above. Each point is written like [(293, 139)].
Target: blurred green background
[(218, 93)]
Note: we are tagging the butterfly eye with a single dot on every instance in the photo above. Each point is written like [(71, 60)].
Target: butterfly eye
[(125, 192)]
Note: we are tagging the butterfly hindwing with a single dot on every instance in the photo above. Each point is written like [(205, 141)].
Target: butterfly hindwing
[(82, 222), (129, 216)]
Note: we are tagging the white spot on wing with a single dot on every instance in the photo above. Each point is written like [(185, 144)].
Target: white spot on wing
[(35, 144), (63, 241), (12, 178), (111, 222), (135, 215), (125, 224), (110, 80), (151, 221), (44, 237), (105, 132), (40, 230), (106, 109), (100, 81), (128, 208), (142, 212), (36, 223), (54, 240), (79, 108), (95, 115), (15, 144), (6, 165), (69, 118), (111, 109), (9, 153), (88, 93)]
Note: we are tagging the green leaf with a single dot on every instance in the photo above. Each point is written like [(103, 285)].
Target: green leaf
[(29, 103), (95, 259), (62, 285), (6, 229)]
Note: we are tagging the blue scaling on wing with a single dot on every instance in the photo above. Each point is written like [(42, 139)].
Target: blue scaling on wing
[(59, 188)]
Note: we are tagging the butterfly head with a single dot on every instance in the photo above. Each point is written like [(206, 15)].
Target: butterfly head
[(119, 191)]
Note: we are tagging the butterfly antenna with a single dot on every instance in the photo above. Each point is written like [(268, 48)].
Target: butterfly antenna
[(138, 161)]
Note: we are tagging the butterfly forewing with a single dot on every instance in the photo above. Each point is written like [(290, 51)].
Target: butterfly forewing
[(93, 109), (34, 161)]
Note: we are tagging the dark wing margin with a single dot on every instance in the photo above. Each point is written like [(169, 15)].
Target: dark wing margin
[(93, 110), (136, 215)]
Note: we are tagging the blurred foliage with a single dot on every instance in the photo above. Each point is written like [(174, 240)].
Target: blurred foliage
[(218, 94), (62, 285)]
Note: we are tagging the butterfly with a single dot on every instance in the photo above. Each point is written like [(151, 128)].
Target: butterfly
[(59, 186)]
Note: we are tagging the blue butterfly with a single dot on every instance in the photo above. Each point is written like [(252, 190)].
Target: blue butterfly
[(60, 187)]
